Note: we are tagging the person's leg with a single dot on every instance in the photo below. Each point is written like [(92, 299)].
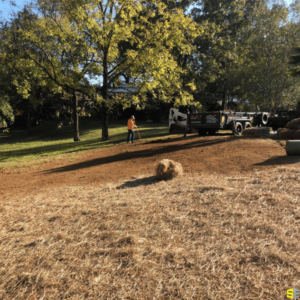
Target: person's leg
[(132, 137), (128, 135)]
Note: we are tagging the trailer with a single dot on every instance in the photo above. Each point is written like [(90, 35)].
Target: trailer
[(210, 123)]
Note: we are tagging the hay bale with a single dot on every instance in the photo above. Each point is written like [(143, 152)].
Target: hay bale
[(257, 131), (168, 169), (287, 135), (249, 132)]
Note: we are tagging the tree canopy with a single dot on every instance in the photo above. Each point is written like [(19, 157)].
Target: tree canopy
[(170, 51)]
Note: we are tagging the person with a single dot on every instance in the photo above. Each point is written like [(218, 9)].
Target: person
[(130, 126)]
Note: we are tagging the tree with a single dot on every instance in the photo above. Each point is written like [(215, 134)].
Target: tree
[(51, 53), (6, 111), (264, 63), (217, 49), (148, 62)]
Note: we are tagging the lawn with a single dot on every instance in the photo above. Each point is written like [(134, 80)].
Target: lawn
[(48, 142)]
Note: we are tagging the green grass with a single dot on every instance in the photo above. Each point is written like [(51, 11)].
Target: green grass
[(48, 142)]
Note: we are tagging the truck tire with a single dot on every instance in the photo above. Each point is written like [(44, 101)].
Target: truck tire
[(238, 128), (247, 125), (264, 119)]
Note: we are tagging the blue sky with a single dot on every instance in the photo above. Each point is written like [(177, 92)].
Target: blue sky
[(6, 8)]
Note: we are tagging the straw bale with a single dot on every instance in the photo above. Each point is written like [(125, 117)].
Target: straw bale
[(257, 131), (249, 132), (287, 135), (168, 169)]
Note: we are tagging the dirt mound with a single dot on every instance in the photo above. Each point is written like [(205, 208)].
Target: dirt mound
[(197, 155)]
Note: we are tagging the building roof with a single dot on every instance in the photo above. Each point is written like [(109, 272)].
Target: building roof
[(123, 88)]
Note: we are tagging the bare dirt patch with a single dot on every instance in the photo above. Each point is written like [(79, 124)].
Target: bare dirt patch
[(197, 155)]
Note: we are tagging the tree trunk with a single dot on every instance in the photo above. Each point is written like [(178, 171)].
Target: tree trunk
[(28, 109), (104, 124), (76, 118), (104, 110)]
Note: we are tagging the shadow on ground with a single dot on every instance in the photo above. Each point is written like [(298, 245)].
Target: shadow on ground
[(188, 137), (140, 154), (137, 182), (72, 147), (280, 160)]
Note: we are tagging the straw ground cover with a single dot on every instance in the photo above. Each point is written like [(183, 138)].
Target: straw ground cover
[(204, 237), (48, 142)]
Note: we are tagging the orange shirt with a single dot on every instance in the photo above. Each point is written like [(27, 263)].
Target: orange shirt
[(131, 124)]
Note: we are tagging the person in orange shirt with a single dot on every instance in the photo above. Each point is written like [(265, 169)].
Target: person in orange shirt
[(130, 126)]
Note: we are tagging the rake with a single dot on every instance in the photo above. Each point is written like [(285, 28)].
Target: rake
[(138, 133)]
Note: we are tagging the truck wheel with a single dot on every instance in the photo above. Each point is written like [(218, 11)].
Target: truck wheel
[(201, 132), (247, 125), (238, 128), (264, 118)]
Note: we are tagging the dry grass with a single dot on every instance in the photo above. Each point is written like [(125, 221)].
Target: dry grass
[(206, 237)]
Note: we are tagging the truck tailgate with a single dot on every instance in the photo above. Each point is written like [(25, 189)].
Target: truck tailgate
[(211, 120)]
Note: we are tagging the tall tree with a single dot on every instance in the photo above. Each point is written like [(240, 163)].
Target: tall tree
[(50, 51), (149, 63), (217, 49), (262, 67)]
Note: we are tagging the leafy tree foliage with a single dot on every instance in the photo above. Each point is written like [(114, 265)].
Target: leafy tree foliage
[(74, 41), (6, 111), (245, 51), (263, 67), (75, 51)]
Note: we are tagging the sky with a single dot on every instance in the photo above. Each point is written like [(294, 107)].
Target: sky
[(6, 8)]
